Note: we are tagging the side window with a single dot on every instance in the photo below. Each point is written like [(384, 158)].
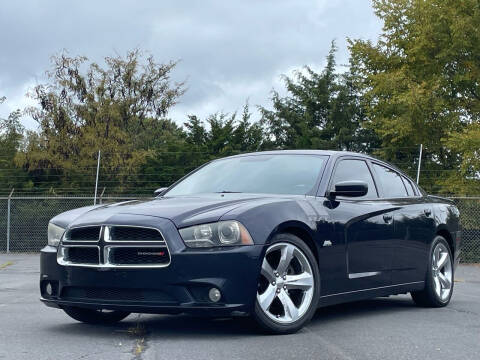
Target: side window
[(349, 170), (391, 182), (409, 186)]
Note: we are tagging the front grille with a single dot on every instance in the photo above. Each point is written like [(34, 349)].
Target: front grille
[(114, 246), (138, 255), (88, 233), (127, 233), (115, 294), (82, 255)]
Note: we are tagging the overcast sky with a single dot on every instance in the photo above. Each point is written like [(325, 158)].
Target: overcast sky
[(229, 50)]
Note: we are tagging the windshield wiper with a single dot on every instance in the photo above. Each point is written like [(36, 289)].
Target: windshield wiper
[(227, 192)]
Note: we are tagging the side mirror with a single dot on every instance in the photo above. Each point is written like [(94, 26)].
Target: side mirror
[(349, 189), (159, 191)]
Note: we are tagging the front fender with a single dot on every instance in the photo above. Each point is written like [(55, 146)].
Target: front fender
[(265, 220)]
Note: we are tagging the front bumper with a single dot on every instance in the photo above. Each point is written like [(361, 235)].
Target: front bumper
[(180, 287)]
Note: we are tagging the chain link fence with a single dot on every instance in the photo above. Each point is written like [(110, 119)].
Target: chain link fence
[(3, 224), (29, 218), (470, 218)]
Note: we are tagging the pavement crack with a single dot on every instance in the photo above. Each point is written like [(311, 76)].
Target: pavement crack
[(463, 311), (140, 345), (335, 350), (84, 356)]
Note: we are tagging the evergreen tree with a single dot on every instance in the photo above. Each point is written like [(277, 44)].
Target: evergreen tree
[(321, 111)]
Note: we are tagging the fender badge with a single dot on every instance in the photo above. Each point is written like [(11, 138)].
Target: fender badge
[(327, 243)]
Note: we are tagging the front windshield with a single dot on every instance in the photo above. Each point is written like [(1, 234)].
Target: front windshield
[(268, 174)]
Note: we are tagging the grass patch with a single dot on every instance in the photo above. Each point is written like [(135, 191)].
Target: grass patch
[(139, 347), (3, 266)]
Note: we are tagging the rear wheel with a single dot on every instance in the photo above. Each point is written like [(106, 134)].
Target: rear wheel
[(289, 286), (92, 316), (439, 282)]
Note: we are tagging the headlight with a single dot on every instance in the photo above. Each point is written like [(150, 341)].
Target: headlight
[(222, 233), (55, 233)]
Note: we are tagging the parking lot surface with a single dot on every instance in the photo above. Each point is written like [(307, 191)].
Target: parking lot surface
[(384, 328)]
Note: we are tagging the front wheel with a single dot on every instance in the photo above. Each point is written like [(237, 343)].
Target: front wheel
[(91, 316), (289, 286), (439, 282)]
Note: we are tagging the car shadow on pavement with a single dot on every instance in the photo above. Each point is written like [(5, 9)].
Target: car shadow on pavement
[(172, 326), (352, 310)]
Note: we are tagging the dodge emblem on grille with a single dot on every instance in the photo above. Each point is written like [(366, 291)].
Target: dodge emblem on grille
[(151, 253)]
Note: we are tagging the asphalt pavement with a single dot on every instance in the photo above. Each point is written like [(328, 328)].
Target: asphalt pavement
[(384, 328)]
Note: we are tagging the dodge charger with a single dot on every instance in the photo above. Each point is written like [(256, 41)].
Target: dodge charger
[(270, 235)]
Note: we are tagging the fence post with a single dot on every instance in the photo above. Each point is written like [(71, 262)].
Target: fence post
[(419, 162), (101, 196), (96, 180), (8, 219)]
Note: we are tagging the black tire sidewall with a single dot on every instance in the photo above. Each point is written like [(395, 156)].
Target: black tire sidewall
[(268, 324)]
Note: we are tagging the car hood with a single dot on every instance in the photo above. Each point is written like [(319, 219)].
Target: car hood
[(183, 210)]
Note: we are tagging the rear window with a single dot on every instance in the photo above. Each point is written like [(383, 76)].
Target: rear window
[(409, 186), (390, 181)]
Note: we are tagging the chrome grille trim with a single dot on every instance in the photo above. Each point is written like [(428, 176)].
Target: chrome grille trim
[(65, 238), (108, 239), (104, 244), (61, 255)]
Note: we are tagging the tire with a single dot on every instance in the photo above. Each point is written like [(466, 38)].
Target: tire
[(91, 316), (439, 279), (288, 286)]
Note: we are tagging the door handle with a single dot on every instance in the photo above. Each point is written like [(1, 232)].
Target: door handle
[(387, 218), (427, 212)]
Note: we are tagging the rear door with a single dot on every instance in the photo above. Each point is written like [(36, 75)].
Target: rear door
[(412, 224), (365, 226), (413, 228)]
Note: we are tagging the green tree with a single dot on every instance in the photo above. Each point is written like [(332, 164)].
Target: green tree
[(321, 111), (223, 134), (420, 85), (11, 141), (119, 108), (219, 135)]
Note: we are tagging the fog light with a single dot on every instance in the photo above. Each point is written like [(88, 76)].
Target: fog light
[(49, 289), (214, 294)]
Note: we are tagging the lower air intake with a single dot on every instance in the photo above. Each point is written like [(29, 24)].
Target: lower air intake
[(115, 294), (139, 256)]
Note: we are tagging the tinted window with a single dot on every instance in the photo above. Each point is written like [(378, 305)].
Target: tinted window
[(409, 186), (350, 170), (391, 182), (268, 174)]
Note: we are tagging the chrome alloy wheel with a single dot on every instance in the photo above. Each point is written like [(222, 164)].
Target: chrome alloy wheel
[(442, 272), (286, 285)]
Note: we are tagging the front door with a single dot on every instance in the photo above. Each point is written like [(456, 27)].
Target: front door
[(365, 226)]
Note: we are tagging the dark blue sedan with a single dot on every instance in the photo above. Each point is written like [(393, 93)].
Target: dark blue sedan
[(272, 235)]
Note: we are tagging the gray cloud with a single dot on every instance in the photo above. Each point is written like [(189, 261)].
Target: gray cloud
[(229, 50)]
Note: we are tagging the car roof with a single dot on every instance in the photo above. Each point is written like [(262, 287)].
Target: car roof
[(332, 153), (307, 152)]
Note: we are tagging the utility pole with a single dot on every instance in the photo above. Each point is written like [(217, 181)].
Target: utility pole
[(96, 181), (419, 162)]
